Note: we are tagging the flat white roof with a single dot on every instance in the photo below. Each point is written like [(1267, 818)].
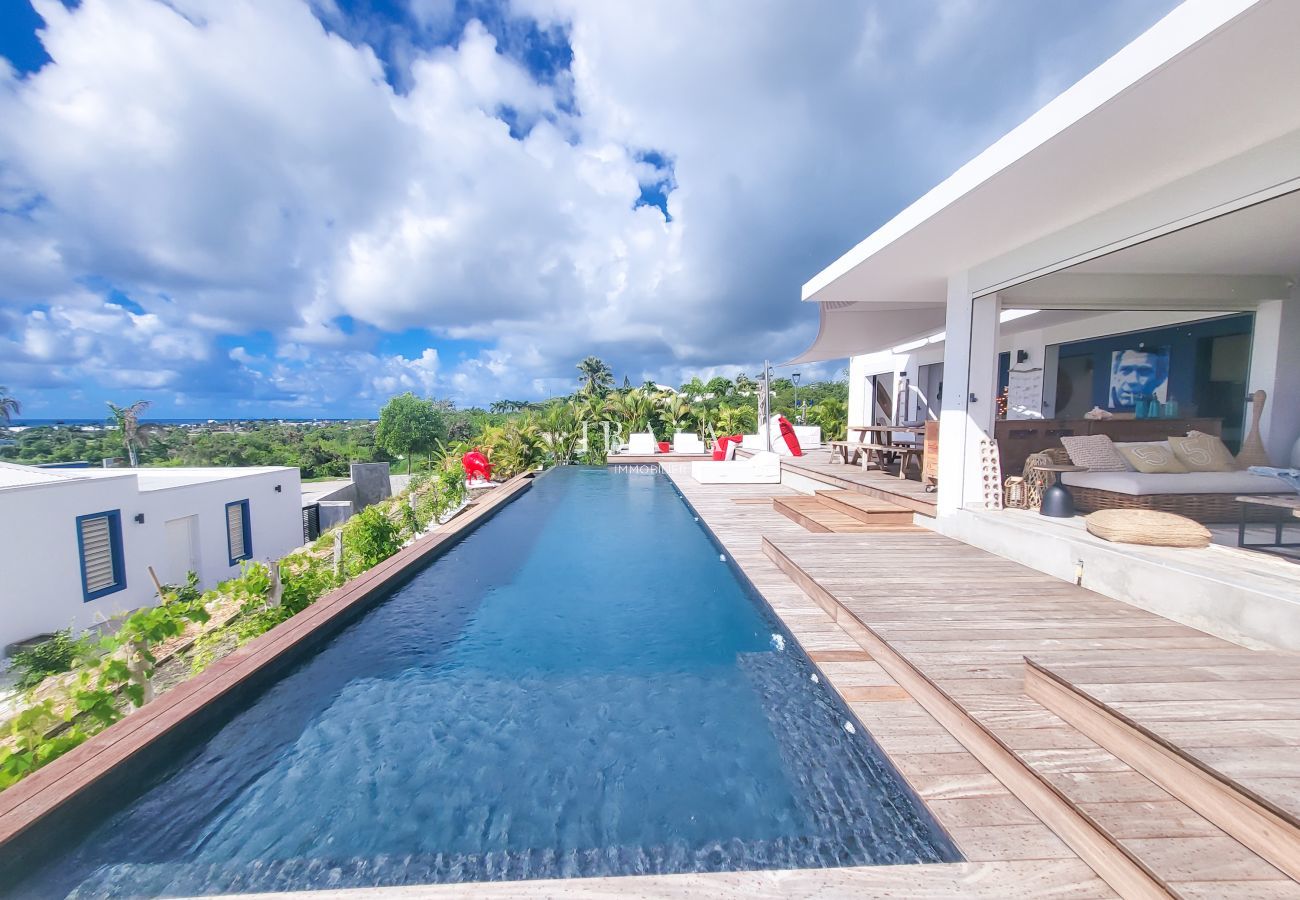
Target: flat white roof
[(147, 479), (1211, 80), (15, 475)]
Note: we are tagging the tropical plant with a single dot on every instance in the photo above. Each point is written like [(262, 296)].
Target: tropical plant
[(560, 431), (832, 415), (408, 425), (745, 384), (135, 437), (512, 447), (735, 420), (50, 657), (596, 375), (369, 538), (695, 389), (719, 387), (632, 408), (676, 411), (9, 405)]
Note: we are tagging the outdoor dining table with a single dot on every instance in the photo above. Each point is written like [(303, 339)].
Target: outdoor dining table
[(881, 440)]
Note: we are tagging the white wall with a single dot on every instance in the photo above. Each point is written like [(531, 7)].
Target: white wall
[(41, 589), (1275, 368)]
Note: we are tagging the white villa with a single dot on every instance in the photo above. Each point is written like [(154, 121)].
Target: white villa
[(1132, 246), (76, 544)]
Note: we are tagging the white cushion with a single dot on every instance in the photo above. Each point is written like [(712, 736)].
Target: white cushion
[(687, 442), (1139, 484), (809, 436), (761, 468), (642, 444)]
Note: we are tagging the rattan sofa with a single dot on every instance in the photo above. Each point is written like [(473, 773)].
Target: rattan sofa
[(1207, 497)]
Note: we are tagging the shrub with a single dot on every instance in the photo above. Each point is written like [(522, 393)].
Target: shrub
[(369, 538), (58, 654)]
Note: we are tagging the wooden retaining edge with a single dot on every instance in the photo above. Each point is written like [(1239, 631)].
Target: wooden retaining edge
[(1254, 821), (44, 792), (1113, 863)]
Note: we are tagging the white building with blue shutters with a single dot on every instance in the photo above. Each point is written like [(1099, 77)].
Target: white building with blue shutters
[(76, 544)]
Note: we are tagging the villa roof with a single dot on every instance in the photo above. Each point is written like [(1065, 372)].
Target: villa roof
[(15, 475), (1135, 124)]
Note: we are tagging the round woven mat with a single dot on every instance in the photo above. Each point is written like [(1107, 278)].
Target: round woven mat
[(1147, 526)]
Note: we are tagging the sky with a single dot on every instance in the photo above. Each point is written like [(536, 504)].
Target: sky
[(302, 207)]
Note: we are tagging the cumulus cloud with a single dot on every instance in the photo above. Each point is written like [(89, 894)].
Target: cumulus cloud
[(233, 202)]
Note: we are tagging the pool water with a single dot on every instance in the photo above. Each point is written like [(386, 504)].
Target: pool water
[(580, 687)]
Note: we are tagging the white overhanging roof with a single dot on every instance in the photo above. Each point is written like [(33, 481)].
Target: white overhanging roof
[(1212, 80)]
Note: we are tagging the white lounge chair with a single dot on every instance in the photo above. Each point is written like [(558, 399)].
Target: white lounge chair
[(687, 442), (642, 444), (752, 442), (763, 467), (810, 436)]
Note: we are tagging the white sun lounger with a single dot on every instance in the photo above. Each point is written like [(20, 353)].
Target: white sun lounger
[(687, 442), (642, 444), (763, 467)]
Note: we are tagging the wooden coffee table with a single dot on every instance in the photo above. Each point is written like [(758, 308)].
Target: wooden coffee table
[(1287, 506)]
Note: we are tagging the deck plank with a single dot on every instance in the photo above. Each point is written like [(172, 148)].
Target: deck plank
[(967, 619)]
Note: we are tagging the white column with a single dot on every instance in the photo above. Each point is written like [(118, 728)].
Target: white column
[(1275, 367), (970, 373)]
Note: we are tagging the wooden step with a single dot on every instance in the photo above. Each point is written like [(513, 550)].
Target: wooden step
[(816, 515), (1119, 866), (1266, 828), (865, 508)]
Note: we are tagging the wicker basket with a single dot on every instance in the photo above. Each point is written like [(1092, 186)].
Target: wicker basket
[(1147, 527), (1015, 494), (1204, 508)]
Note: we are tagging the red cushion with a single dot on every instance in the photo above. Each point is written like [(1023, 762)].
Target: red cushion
[(665, 446)]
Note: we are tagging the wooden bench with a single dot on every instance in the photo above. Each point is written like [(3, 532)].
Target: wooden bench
[(840, 450)]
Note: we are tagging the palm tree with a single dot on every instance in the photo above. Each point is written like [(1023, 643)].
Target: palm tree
[(596, 376), (676, 411), (561, 431), (9, 405), (633, 408), (134, 435), (695, 389)]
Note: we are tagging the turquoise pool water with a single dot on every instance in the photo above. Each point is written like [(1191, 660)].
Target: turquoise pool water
[(582, 686)]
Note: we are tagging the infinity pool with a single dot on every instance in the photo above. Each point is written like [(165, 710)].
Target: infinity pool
[(580, 687)]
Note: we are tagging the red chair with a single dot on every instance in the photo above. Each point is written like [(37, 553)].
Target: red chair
[(476, 466)]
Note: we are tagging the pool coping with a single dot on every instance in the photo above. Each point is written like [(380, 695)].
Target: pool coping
[(47, 795)]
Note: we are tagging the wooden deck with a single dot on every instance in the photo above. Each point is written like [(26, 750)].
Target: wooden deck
[(820, 465), (954, 625), (988, 823)]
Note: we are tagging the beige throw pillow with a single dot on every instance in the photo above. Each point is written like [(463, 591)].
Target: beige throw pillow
[(1096, 452), (1155, 458), (1201, 452)]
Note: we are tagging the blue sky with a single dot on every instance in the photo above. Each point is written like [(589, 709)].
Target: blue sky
[(302, 207)]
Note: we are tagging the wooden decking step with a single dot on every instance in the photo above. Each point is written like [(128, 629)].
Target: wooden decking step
[(1198, 776), (865, 508), (817, 515)]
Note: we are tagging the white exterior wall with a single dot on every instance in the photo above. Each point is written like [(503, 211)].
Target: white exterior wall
[(41, 589), (1275, 368)]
